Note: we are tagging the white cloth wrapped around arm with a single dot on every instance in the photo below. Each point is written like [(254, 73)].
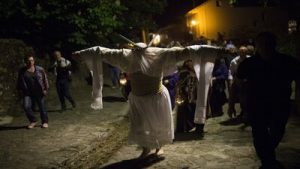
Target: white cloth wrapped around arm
[(93, 58), (204, 53), (203, 57), (197, 53), (115, 57)]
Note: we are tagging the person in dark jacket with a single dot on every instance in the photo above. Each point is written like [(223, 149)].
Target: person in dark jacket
[(33, 84), (268, 76), (187, 93), (218, 85), (62, 71)]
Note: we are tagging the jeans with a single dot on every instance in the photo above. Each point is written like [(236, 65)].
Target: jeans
[(115, 73), (40, 100), (62, 87)]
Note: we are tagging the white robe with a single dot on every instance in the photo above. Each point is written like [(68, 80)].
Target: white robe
[(148, 127), (204, 70)]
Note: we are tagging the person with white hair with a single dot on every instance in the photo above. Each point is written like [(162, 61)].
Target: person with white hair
[(150, 109), (235, 87), (62, 72)]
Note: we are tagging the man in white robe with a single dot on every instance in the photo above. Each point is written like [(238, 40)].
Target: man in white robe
[(150, 108)]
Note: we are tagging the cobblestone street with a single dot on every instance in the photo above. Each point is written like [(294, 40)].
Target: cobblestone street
[(73, 138), (226, 145), (82, 138)]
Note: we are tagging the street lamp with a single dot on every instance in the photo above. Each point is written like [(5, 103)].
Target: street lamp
[(193, 22), (193, 28)]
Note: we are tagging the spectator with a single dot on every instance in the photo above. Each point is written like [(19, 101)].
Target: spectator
[(268, 75), (33, 84), (114, 76), (170, 82), (187, 90), (250, 50), (235, 87), (62, 70), (218, 86)]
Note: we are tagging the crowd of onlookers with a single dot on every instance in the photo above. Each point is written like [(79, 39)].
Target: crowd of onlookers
[(224, 87), (260, 81), (33, 86)]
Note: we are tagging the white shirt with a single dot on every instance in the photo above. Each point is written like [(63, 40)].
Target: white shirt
[(234, 66)]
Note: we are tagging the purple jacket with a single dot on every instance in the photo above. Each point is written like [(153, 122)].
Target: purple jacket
[(171, 86)]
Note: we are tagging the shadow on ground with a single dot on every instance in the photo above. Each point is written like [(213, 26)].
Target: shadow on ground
[(232, 122), (5, 128), (55, 110), (187, 136), (113, 99), (289, 156), (135, 163)]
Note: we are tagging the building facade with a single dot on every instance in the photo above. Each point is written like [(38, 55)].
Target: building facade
[(215, 18)]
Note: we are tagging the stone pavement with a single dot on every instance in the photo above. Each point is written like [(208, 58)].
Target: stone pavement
[(82, 138), (226, 145), (76, 138)]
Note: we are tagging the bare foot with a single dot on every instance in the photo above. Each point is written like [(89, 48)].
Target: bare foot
[(145, 153), (159, 151)]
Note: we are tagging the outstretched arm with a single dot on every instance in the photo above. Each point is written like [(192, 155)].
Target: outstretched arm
[(197, 53), (115, 57), (206, 53), (194, 52), (93, 58)]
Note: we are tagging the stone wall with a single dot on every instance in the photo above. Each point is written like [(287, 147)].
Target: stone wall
[(12, 52)]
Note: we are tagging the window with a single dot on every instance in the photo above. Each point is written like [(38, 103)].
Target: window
[(292, 26)]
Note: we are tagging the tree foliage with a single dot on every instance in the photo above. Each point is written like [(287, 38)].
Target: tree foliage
[(12, 54), (75, 23), (140, 15)]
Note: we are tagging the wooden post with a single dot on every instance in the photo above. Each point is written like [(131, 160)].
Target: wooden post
[(144, 36)]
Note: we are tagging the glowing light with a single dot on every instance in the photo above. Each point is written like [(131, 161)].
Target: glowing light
[(179, 100), (194, 22), (123, 81), (292, 26), (157, 39)]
